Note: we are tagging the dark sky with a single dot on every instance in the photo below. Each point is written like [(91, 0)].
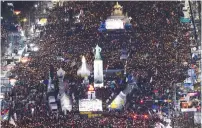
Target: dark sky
[(20, 5), (23, 5)]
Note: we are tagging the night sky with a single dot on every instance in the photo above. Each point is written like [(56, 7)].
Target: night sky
[(19, 5)]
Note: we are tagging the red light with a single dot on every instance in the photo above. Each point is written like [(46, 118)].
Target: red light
[(141, 101), (155, 91), (16, 12), (135, 116), (146, 116)]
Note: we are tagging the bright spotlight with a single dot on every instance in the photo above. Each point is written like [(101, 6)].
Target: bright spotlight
[(24, 20), (24, 60), (36, 49), (31, 45), (13, 81)]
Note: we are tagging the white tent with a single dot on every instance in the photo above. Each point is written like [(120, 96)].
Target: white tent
[(119, 101), (60, 72), (51, 99), (65, 102), (53, 106)]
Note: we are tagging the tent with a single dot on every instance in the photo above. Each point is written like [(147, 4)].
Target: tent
[(60, 72), (53, 106), (118, 102), (51, 99), (66, 103)]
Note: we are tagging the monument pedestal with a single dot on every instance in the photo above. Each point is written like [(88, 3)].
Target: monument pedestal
[(91, 92), (98, 73)]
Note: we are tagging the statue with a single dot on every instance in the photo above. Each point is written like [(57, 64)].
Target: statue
[(118, 10), (83, 70), (97, 51)]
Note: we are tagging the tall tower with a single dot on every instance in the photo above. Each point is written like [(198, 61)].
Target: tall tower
[(98, 68)]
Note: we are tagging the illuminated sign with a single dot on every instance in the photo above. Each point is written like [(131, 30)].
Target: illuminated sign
[(91, 88), (188, 109), (17, 12), (119, 101), (114, 24), (42, 21), (86, 105)]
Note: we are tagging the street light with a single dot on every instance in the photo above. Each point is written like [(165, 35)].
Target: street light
[(17, 12), (24, 20), (35, 49), (24, 60), (35, 5), (31, 45), (13, 81)]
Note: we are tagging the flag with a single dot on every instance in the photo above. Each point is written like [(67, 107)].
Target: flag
[(187, 34), (11, 121), (157, 45), (4, 115), (151, 80), (32, 111), (10, 4), (175, 43), (15, 116), (81, 12), (51, 71), (73, 64), (185, 20), (156, 72), (168, 21)]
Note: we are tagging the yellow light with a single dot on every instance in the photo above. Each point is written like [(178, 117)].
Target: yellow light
[(24, 20), (91, 88), (43, 21), (17, 12), (24, 60)]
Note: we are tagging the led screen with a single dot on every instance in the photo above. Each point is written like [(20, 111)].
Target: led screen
[(114, 24)]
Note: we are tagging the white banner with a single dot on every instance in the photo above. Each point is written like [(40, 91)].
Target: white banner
[(188, 109), (90, 105), (114, 24)]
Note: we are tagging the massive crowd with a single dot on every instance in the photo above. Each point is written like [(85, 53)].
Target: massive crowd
[(158, 46), (4, 35)]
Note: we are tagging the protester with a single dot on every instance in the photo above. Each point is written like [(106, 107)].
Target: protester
[(155, 58)]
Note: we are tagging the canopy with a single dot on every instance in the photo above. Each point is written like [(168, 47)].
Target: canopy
[(119, 101), (54, 106), (60, 72), (66, 103), (51, 99)]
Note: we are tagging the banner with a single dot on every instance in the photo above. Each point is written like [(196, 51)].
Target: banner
[(191, 73), (4, 115), (185, 20), (114, 24), (86, 105), (118, 102)]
